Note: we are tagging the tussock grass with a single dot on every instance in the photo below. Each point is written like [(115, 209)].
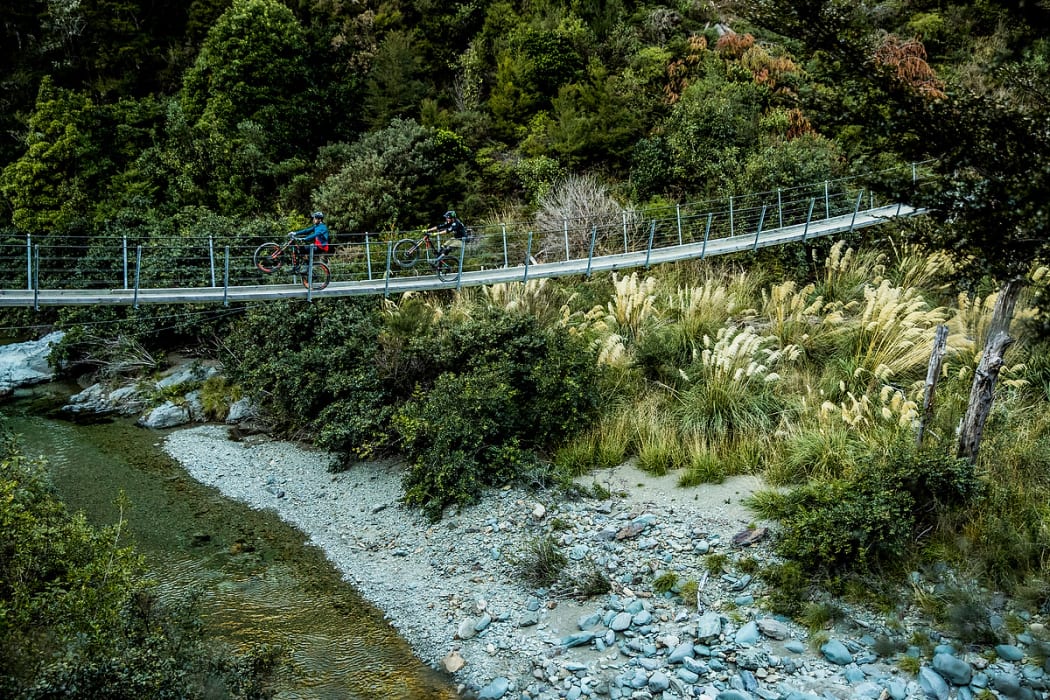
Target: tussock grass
[(721, 371), (730, 390)]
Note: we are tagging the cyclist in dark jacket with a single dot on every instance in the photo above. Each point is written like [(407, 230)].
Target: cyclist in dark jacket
[(317, 233), (458, 230)]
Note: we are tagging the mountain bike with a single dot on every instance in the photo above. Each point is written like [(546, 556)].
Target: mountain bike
[(270, 257), (409, 251)]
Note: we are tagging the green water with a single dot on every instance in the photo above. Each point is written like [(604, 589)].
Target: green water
[(260, 580)]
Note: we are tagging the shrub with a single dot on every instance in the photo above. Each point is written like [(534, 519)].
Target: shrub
[(665, 582), (873, 514), (540, 563), (787, 587), (591, 581), (79, 618), (313, 368), (508, 390)]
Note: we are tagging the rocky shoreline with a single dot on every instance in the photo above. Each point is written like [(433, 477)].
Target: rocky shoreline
[(455, 592)]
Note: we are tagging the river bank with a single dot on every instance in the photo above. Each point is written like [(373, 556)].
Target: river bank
[(454, 590)]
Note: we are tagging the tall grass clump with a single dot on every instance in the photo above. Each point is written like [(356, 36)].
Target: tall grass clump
[(822, 452), (1007, 539), (536, 298), (890, 338), (731, 386), (916, 267), (655, 438), (798, 316), (845, 272)]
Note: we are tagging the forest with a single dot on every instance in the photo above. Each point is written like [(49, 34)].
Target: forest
[(234, 120)]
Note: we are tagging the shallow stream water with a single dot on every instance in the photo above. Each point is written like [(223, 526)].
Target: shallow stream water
[(259, 579)]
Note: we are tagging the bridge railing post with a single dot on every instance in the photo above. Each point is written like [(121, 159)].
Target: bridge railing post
[(211, 258), (124, 249), (761, 221), (138, 275), (310, 276), (462, 256), (506, 258), (856, 208), (827, 201), (626, 248), (368, 256), (29, 261), (36, 278), (707, 234), (678, 219), (809, 217), (226, 277), (565, 231), (649, 246), (528, 257), (732, 231), (780, 208), (389, 258), (590, 254)]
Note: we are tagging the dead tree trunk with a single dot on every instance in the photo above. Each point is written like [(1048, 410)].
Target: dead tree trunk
[(933, 372), (982, 392)]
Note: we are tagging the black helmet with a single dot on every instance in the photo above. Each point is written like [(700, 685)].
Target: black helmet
[(317, 215), (450, 214)]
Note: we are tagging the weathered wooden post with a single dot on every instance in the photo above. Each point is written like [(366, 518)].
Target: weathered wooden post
[(933, 371), (982, 392)]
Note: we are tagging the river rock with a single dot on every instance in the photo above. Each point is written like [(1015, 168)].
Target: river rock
[(453, 662), (932, 684), (193, 373), (495, 690), (952, 669), (709, 626), (1009, 652), (836, 652), (167, 415), (24, 364), (241, 410), (774, 629)]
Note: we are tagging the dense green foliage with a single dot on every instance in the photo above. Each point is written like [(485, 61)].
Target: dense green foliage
[(870, 516), (471, 401), (78, 619)]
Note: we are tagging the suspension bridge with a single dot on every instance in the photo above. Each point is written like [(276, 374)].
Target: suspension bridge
[(66, 271)]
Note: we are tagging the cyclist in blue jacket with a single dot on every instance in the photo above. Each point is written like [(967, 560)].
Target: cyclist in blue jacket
[(316, 233)]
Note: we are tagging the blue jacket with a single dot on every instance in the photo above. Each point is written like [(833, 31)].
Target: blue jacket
[(316, 234)]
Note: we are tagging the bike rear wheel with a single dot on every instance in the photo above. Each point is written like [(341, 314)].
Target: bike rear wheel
[(448, 269), (406, 252), (320, 278), (267, 257)]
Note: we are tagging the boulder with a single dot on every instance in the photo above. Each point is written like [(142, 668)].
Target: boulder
[(167, 415), (24, 364)]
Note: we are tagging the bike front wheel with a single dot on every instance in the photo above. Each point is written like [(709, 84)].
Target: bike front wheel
[(267, 257), (448, 269), (406, 252), (319, 279)]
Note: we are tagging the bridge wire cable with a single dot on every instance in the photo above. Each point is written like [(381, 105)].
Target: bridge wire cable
[(94, 324)]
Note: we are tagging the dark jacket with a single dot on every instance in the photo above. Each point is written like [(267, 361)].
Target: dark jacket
[(457, 227)]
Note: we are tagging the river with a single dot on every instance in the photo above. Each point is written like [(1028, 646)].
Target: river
[(259, 579)]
